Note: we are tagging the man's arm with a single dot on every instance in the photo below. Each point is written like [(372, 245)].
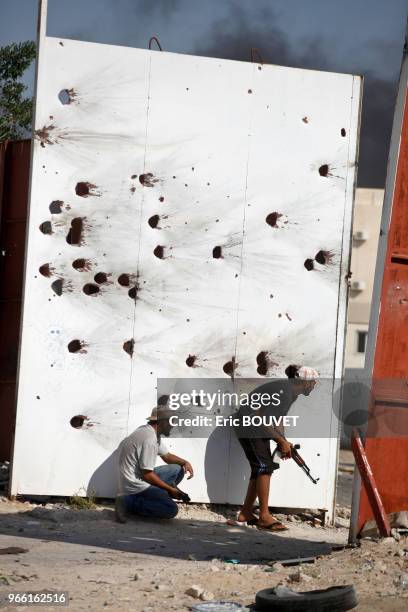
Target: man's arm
[(152, 478), (284, 447), (277, 434), (170, 458)]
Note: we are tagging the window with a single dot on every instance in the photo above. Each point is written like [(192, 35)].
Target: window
[(361, 341)]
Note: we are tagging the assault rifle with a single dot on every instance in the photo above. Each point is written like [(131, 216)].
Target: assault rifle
[(299, 461)]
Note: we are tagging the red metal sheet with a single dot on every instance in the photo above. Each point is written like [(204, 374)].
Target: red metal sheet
[(14, 179), (387, 455)]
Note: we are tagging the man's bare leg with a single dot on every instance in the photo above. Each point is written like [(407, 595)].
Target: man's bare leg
[(262, 488), (247, 511)]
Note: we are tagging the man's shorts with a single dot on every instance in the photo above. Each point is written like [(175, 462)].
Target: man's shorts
[(258, 453)]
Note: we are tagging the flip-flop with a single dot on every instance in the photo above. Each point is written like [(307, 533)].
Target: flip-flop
[(275, 526)]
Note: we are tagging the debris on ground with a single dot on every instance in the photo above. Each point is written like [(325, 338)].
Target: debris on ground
[(13, 550), (149, 564)]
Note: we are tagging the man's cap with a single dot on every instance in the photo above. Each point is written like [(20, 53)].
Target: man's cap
[(160, 413), (306, 373)]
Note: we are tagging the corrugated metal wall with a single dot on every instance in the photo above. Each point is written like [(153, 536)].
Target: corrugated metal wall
[(14, 179)]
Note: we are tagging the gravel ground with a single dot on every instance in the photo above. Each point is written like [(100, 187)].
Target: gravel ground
[(149, 565)]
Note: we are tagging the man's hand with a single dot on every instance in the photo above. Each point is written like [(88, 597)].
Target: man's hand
[(175, 493), (285, 449), (188, 469)]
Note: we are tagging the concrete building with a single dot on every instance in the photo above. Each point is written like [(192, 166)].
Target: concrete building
[(366, 228)]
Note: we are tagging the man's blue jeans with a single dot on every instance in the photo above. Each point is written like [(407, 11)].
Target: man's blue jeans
[(153, 501)]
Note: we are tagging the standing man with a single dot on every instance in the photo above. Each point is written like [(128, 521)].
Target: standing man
[(144, 489), (302, 381)]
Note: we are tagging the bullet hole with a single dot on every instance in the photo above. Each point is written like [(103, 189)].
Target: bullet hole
[(66, 96), (230, 367), (57, 286), (37, 397), (46, 227), (45, 270), (305, 120), (271, 295), (288, 316), (77, 422), (262, 362), (133, 189), (84, 189), (249, 91), (280, 315), (129, 347), (148, 180), (124, 280), (81, 265), (308, 264), (74, 236), (132, 293), (322, 257), (56, 207), (61, 43), (343, 132), (44, 136), (193, 168), (154, 221), (100, 278), (324, 170), (161, 199), (272, 219), (259, 67), (217, 252), (90, 289), (134, 176), (75, 346), (159, 252), (190, 361)]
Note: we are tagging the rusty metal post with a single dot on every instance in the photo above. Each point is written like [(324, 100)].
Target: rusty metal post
[(370, 485)]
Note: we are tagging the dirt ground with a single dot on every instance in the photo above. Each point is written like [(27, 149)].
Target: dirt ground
[(149, 565)]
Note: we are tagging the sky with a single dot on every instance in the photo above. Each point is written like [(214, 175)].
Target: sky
[(355, 36)]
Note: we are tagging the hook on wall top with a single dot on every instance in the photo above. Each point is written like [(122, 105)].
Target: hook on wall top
[(154, 38)]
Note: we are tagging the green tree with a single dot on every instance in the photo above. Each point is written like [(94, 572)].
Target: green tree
[(15, 108)]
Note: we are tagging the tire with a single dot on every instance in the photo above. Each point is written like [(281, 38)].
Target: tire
[(333, 599)]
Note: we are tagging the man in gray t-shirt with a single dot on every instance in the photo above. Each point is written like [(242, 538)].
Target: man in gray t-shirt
[(144, 489)]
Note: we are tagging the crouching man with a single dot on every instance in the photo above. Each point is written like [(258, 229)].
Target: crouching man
[(144, 489)]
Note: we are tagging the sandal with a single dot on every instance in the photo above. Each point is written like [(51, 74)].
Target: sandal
[(275, 526)]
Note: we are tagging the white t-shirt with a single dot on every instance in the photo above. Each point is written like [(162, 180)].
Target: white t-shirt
[(138, 452)]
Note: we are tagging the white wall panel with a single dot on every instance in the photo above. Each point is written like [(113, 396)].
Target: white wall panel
[(221, 145)]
